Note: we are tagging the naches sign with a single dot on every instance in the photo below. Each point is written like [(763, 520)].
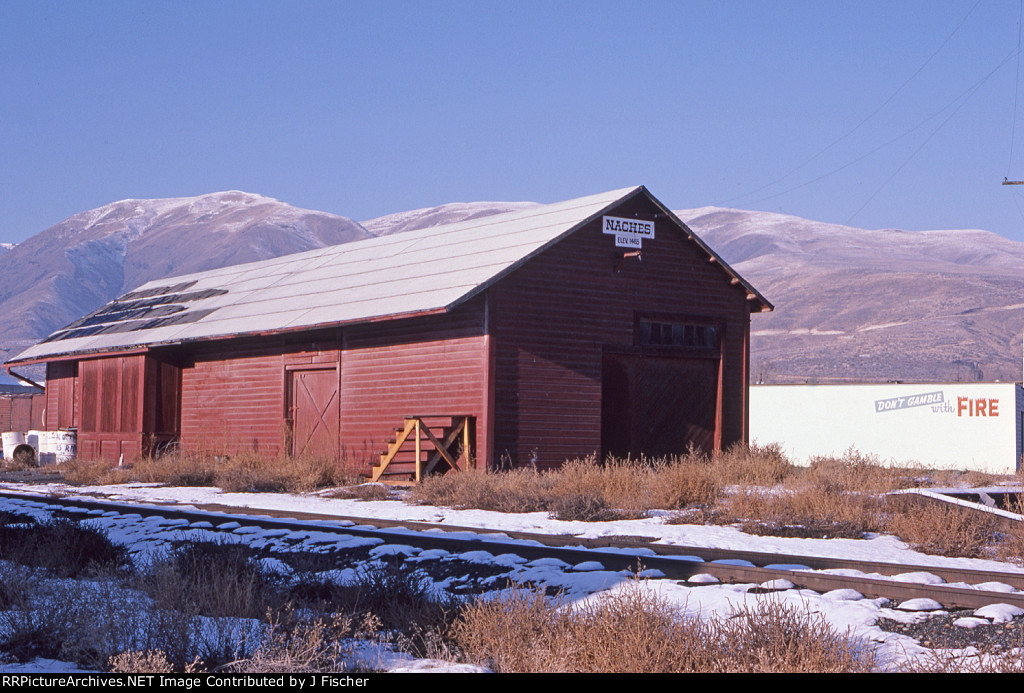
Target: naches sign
[(629, 233)]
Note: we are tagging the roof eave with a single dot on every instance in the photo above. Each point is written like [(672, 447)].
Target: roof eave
[(753, 295), (143, 348)]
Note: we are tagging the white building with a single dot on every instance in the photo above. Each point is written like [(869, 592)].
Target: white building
[(976, 426)]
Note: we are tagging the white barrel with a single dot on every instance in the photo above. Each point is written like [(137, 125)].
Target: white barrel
[(63, 445), (10, 441), (41, 444)]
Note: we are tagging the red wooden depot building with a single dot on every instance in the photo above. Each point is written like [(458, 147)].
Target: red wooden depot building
[(596, 325)]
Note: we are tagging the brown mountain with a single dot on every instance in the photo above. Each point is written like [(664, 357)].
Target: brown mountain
[(874, 305)]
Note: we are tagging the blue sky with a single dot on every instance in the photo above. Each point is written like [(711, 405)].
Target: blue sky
[(878, 114)]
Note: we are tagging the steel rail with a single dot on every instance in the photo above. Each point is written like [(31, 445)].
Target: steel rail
[(674, 562)]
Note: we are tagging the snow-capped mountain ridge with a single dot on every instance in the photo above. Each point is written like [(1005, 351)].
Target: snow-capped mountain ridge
[(851, 304), (90, 258)]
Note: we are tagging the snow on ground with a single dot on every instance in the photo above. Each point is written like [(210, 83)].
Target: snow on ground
[(702, 597)]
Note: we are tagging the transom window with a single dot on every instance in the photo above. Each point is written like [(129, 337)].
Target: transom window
[(673, 334)]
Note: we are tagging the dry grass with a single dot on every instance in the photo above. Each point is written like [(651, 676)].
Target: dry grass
[(82, 471), (241, 472), (804, 513), (945, 530), (300, 645), (63, 548), (90, 621), (386, 597), (368, 492), (855, 472), (1011, 541), (832, 497), (204, 607), (140, 662), (763, 465), (212, 579), (516, 491), (636, 631), (582, 489), (635, 486)]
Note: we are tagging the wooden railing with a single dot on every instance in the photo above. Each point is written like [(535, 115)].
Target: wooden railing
[(427, 444)]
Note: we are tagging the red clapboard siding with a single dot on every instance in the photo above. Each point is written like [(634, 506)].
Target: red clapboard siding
[(548, 360), (435, 365), (22, 412), (554, 317), (233, 396)]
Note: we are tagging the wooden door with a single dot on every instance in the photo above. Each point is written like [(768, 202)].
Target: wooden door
[(657, 406), (315, 412)]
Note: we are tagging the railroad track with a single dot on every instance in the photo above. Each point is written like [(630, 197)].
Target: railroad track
[(613, 553)]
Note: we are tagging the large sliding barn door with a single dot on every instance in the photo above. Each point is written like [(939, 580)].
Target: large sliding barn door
[(315, 412), (657, 406)]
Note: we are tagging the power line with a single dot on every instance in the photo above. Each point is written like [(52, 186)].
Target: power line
[(853, 130), (1016, 91), (966, 97)]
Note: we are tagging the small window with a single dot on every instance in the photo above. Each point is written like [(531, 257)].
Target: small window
[(677, 335)]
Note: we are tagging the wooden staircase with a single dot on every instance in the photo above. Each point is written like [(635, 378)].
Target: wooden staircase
[(427, 444)]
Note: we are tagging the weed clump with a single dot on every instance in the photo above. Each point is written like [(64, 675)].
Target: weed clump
[(212, 579), (752, 464), (64, 548), (582, 508), (945, 529), (294, 644), (244, 472), (582, 489), (637, 631)]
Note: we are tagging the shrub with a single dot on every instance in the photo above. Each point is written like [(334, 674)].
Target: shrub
[(401, 598), (297, 645), (774, 637), (806, 512), (684, 483), (516, 491), (582, 508), (945, 529), (64, 548), (635, 630), (212, 579), (967, 661), (518, 632), (88, 622), (855, 471), (752, 464), (138, 662), (247, 471)]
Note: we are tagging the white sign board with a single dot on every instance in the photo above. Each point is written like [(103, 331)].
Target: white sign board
[(628, 232), (938, 425)]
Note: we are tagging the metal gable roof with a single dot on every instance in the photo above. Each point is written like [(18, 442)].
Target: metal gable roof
[(414, 272), (425, 270)]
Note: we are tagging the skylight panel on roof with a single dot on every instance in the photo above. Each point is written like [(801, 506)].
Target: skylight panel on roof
[(425, 270)]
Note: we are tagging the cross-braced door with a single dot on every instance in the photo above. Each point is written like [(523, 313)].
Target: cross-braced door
[(315, 412)]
